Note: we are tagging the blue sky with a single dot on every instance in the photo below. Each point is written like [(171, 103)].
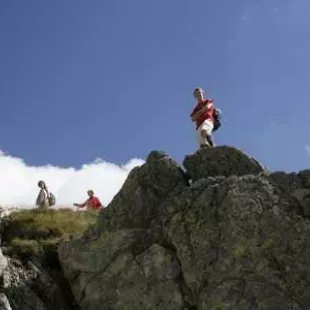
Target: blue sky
[(114, 79)]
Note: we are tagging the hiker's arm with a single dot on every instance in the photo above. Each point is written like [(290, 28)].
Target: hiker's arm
[(193, 117), (194, 114), (84, 204), (79, 205), (202, 110)]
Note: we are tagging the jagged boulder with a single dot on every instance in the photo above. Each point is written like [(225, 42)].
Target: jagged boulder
[(4, 303), (232, 239), (139, 200), (227, 234), (3, 263), (30, 286), (131, 231), (220, 161)]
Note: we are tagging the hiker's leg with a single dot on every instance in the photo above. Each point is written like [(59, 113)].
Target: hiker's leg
[(201, 139), (198, 136), (46, 204), (204, 142), (210, 140), (206, 130), (43, 206)]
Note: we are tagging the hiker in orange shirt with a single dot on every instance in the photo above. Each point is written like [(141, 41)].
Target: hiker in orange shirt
[(92, 203), (207, 118)]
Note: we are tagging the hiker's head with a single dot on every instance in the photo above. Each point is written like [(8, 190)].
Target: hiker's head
[(41, 184), (90, 193), (198, 93)]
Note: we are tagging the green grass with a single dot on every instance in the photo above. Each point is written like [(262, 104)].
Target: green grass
[(37, 232)]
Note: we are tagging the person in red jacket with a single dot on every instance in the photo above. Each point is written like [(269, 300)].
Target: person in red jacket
[(92, 203), (203, 115)]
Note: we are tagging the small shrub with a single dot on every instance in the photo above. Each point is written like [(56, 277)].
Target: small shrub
[(24, 248)]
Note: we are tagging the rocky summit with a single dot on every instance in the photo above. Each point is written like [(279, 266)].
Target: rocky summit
[(221, 233), (224, 234)]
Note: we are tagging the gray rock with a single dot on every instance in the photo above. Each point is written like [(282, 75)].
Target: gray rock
[(226, 239), (4, 303), (3, 262), (30, 287), (220, 161), (139, 199), (233, 241), (17, 286), (296, 185)]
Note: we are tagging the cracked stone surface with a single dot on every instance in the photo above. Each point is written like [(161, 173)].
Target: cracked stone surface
[(220, 161), (28, 286), (227, 241)]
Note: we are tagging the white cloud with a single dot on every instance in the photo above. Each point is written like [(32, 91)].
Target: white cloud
[(307, 148), (18, 182)]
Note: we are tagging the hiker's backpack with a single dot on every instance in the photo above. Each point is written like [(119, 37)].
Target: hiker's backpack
[(217, 119), (51, 199)]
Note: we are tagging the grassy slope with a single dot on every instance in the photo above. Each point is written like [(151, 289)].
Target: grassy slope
[(35, 232)]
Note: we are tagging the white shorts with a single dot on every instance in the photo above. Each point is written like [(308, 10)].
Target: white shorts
[(208, 127)]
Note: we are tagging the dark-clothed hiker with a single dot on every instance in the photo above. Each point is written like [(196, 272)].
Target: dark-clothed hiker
[(45, 198)]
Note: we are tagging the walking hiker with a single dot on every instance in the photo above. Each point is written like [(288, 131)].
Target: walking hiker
[(92, 203), (207, 118), (45, 198)]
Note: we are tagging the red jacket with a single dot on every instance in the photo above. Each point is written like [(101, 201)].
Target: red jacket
[(207, 114), (94, 202)]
